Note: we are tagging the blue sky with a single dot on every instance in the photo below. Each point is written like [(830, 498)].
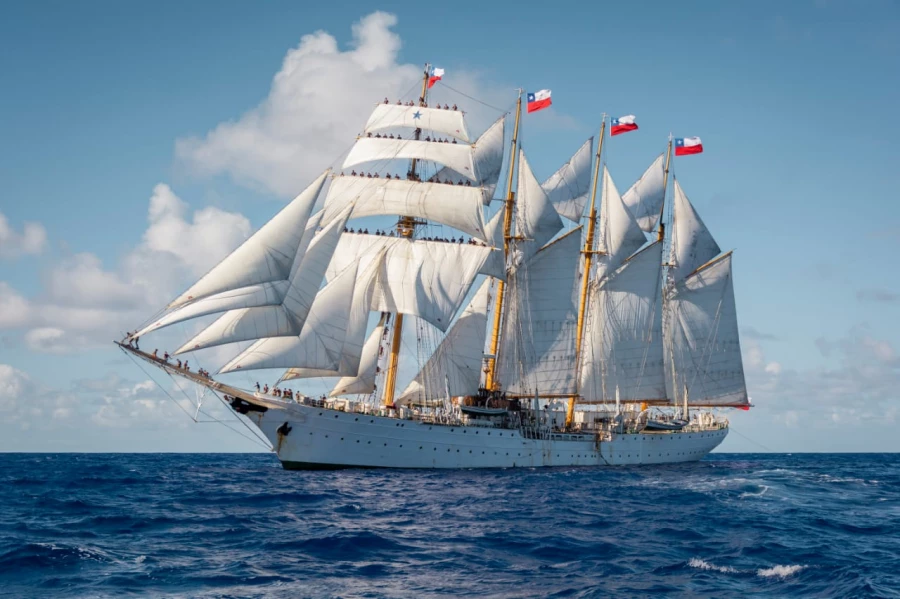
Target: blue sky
[(795, 102)]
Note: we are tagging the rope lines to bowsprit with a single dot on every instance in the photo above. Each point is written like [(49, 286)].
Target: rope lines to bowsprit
[(255, 438)]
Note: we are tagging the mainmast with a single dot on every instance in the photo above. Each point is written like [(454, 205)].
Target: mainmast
[(405, 228), (585, 279), (491, 371)]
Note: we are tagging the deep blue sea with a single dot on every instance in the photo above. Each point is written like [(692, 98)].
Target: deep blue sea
[(768, 525)]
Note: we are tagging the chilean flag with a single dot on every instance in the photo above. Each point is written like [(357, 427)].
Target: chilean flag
[(623, 124), (539, 100), (435, 76), (685, 146)]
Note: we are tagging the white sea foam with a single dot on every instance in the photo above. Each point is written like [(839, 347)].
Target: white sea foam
[(704, 565), (779, 571), (760, 493)]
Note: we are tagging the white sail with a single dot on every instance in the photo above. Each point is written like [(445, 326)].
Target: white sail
[(266, 256), (319, 344), (393, 116), (623, 344), (488, 161), (705, 345), (312, 229), (286, 318), (692, 243), (568, 187), (457, 359), (428, 279), (457, 206), (364, 380), (538, 342), (645, 198), (457, 156), (352, 347), (620, 236), (537, 220), (495, 265)]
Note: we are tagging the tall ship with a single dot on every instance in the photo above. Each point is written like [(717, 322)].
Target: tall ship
[(564, 324)]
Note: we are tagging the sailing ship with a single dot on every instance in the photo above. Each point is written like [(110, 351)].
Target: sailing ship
[(539, 341)]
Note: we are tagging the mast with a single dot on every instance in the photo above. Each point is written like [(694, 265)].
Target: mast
[(662, 209), (490, 377), (405, 228), (585, 279)]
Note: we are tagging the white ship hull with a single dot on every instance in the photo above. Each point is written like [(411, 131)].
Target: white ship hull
[(327, 438)]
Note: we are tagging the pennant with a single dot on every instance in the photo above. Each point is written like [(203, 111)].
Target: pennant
[(538, 100), (623, 124), (685, 146)]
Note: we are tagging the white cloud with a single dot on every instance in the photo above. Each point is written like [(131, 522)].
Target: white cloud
[(31, 240), (83, 303), (318, 103)]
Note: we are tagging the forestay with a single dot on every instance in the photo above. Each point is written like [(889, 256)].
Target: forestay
[(645, 198), (457, 359), (705, 346), (393, 116), (538, 342), (457, 206), (692, 243), (268, 255), (567, 188), (623, 344), (371, 149)]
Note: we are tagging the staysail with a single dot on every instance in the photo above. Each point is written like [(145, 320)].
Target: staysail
[(364, 380), (567, 189), (620, 236), (457, 359), (488, 161), (692, 243), (645, 198)]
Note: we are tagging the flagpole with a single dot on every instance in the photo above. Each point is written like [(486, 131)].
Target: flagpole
[(490, 381)]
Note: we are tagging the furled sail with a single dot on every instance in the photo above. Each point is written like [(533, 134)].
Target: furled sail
[(623, 344), (364, 380), (568, 187), (645, 198), (428, 279), (692, 243), (458, 157), (394, 116), (538, 342), (620, 235), (457, 359), (287, 317), (537, 220), (457, 206), (320, 342), (266, 256), (703, 331), (488, 161)]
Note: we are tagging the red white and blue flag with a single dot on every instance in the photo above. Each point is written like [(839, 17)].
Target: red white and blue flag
[(623, 124), (538, 100), (685, 146), (434, 76)]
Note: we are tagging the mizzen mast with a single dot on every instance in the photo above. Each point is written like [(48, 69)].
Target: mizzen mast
[(491, 382), (586, 276), (405, 228), (662, 225)]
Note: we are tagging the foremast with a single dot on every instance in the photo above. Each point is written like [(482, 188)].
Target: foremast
[(491, 382), (406, 226), (586, 275)]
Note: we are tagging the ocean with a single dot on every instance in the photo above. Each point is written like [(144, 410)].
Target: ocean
[(226, 525)]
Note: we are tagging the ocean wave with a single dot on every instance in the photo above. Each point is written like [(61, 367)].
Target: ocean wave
[(779, 571), (704, 565)]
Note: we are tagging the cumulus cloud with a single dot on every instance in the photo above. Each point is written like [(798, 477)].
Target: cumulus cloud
[(31, 240), (317, 104), (83, 303)]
